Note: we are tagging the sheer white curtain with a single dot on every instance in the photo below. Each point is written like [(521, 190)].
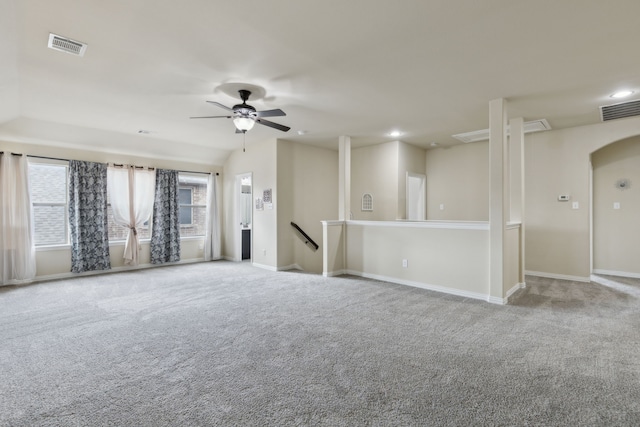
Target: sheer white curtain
[(131, 193), (212, 249), (17, 244)]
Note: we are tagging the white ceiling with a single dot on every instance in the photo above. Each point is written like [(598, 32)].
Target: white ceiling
[(360, 68)]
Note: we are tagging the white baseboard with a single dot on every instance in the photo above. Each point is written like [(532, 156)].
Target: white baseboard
[(515, 288), (437, 288), (122, 268), (617, 273), (334, 273), (290, 267), (557, 276), (265, 267)]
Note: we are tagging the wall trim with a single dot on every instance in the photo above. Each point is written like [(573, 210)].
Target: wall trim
[(450, 225), (429, 287), (120, 269), (290, 267), (265, 267), (332, 223), (515, 288), (557, 276), (616, 273), (334, 273)]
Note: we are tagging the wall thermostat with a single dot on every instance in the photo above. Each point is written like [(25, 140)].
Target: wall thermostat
[(564, 198)]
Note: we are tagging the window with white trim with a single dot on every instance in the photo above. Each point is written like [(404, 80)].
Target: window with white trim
[(192, 195), (49, 198)]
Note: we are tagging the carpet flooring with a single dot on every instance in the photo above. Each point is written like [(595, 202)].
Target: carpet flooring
[(227, 344)]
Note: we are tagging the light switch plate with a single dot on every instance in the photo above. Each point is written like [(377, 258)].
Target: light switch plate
[(616, 205), (575, 205)]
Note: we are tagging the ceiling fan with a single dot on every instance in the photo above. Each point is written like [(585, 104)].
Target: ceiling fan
[(245, 116)]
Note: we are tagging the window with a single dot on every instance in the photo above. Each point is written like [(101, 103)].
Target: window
[(185, 196), (48, 182), (118, 232), (192, 195)]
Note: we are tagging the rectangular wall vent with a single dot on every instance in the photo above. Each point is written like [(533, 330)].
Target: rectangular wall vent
[(620, 111), (64, 44), (483, 135)]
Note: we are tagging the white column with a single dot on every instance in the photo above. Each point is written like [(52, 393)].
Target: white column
[(344, 178), (516, 166), (498, 195), (516, 143)]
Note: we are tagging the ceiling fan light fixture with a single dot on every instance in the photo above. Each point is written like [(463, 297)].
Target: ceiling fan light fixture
[(243, 123)]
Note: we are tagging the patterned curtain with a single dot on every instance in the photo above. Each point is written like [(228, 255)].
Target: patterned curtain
[(165, 233), (88, 216)]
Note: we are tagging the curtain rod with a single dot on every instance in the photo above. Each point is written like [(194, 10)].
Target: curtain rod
[(66, 160), (13, 154)]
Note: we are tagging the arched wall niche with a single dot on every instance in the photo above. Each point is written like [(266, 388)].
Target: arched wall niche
[(616, 208)]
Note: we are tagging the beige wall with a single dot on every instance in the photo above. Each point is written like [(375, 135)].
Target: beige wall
[(374, 170), (452, 257), (458, 178), (557, 239), (616, 231), (103, 157), (55, 262), (260, 160), (308, 186), (381, 170)]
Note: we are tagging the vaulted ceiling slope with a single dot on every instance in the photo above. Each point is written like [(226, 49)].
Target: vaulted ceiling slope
[(360, 68)]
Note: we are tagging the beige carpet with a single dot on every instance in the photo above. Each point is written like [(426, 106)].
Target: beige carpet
[(227, 344)]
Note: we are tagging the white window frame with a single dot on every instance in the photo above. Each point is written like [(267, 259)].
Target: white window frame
[(189, 205), (65, 164), (192, 187)]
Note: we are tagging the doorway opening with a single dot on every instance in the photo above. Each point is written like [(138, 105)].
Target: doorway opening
[(244, 216), (416, 196)]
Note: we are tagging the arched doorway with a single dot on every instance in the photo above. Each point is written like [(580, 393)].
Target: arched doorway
[(615, 206)]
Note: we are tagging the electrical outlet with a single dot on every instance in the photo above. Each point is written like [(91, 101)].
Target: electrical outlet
[(405, 263), (441, 206)]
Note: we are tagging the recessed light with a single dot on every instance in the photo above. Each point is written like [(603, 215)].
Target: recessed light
[(144, 131), (395, 133), (622, 94), (434, 144), (303, 132)]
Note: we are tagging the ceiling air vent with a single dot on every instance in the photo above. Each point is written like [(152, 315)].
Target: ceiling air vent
[(620, 111), (483, 135), (66, 45)]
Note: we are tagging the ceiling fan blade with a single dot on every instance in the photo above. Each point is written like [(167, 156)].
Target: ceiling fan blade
[(238, 131), (273, 125), (220, 105), (270, 113), (211, 117)]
